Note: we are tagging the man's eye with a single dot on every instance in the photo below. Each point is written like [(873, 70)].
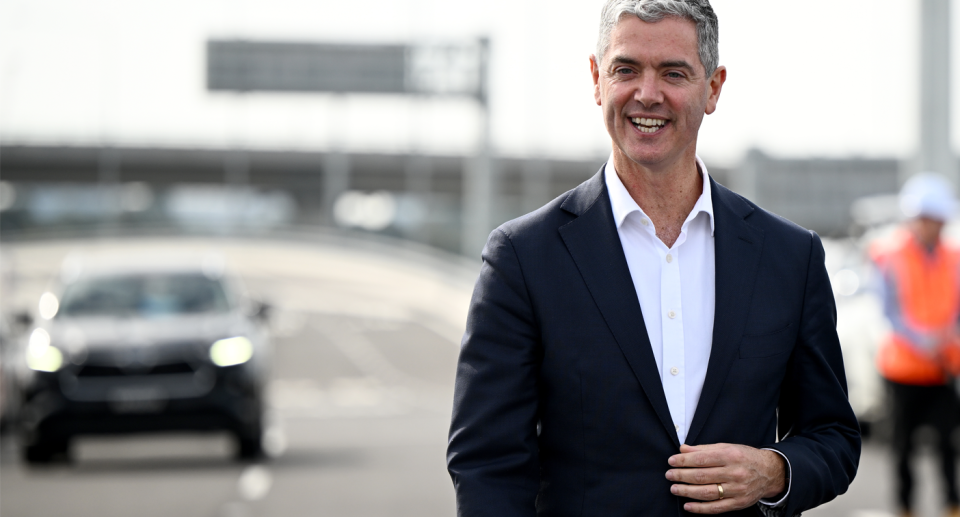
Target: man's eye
[(675, 75), (623, 71)]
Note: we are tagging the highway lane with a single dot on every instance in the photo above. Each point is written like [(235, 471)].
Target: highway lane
[(365, 350), (350, 443), (345, 442)]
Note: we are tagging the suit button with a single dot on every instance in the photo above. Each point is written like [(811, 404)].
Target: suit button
[(669, 258), (674, 370), (671, 315)]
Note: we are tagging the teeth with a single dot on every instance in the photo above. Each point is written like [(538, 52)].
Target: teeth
[(648, 125)]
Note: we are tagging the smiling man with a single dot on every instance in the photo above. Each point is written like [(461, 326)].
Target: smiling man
[(651, 343)]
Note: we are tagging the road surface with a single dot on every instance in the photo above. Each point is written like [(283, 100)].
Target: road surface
[(365, 350)]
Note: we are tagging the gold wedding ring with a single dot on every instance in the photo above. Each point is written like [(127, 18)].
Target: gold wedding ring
[(720, 489)]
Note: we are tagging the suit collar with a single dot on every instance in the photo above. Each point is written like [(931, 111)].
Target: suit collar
[(732, 202), (594, 244), (737, 248), (623, 203), (585, 195)]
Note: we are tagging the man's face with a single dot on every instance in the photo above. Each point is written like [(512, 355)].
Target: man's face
[(927, 230), (653, 90)]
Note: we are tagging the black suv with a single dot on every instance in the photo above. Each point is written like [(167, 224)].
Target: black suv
[(172, 346)]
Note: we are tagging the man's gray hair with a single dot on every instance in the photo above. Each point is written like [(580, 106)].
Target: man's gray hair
[(652, 11)]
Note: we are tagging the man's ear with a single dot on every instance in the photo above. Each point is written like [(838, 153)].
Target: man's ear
[(715, 84), (595, 73)]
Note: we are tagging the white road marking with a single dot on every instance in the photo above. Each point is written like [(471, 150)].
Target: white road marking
[(254, 483), (274, 441), (399, 386), (356, 392), (286, 323), (871, 513)]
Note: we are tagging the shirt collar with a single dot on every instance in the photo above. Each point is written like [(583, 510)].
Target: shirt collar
[(623, 204)]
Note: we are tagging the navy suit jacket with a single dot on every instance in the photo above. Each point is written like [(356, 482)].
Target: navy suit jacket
[(559, 408)]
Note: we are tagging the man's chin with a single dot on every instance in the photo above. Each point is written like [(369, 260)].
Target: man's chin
[(646, 158)]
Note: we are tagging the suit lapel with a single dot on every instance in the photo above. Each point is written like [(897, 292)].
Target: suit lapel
[(737, 247), (594, 244)]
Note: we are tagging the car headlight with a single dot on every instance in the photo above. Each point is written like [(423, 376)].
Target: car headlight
[(41, 355), (231, 351)]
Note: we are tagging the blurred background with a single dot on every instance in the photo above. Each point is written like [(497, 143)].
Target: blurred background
[(344, 162)]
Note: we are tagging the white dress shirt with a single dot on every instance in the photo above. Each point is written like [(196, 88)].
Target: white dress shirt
[(676, 287)]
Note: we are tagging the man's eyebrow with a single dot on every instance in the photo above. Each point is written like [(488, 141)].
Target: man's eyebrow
[(676, 64), (624, 60), (679, 63)]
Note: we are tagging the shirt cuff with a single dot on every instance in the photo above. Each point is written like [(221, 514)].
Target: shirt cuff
[(783, 500)]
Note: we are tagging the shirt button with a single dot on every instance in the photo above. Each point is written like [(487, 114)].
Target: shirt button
[(674, 370), (671, 315), (644, 222), (677, 427), (669, 258)]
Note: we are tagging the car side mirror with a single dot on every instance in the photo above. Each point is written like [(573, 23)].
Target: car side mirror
[(263, 311), (258, 309), (23, 320)]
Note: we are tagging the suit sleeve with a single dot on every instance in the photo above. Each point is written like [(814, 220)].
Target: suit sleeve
[(819, 432), (492, 451)]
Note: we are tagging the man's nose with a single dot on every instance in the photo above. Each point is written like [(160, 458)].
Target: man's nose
[(648, 91)]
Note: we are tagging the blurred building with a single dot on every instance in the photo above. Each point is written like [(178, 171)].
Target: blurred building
[(50, 190), (59, 189)]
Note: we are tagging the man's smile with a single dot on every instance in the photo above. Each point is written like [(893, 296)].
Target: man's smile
[(648, 125)]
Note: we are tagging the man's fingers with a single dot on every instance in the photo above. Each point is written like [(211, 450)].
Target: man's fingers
[(710, 455), (708, 492), (699, 459), (703, 457), (702, 476), (704, 447), (713, 507), (747, 475)]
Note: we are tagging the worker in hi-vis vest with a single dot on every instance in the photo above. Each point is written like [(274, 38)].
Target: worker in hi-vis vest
[(920, 358)]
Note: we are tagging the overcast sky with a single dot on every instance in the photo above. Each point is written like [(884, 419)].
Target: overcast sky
[(839, 82)]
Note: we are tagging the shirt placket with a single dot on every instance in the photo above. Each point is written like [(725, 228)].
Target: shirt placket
[(674, 371)]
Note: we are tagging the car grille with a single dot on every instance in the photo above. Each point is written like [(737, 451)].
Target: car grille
[(95, 370), (165, 369), (174, 371)]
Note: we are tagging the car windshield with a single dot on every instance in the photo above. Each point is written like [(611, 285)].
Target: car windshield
[(143, 296)]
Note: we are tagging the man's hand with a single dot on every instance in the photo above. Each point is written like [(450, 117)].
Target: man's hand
[(746, 474)]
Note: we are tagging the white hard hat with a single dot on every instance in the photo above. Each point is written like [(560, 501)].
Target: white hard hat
[(928, 194)]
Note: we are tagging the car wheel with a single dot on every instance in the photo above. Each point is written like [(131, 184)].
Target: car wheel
[(250, 440), (47, 451), (250, 447)]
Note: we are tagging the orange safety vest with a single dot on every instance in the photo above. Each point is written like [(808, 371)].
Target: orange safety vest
[(928, 291)]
